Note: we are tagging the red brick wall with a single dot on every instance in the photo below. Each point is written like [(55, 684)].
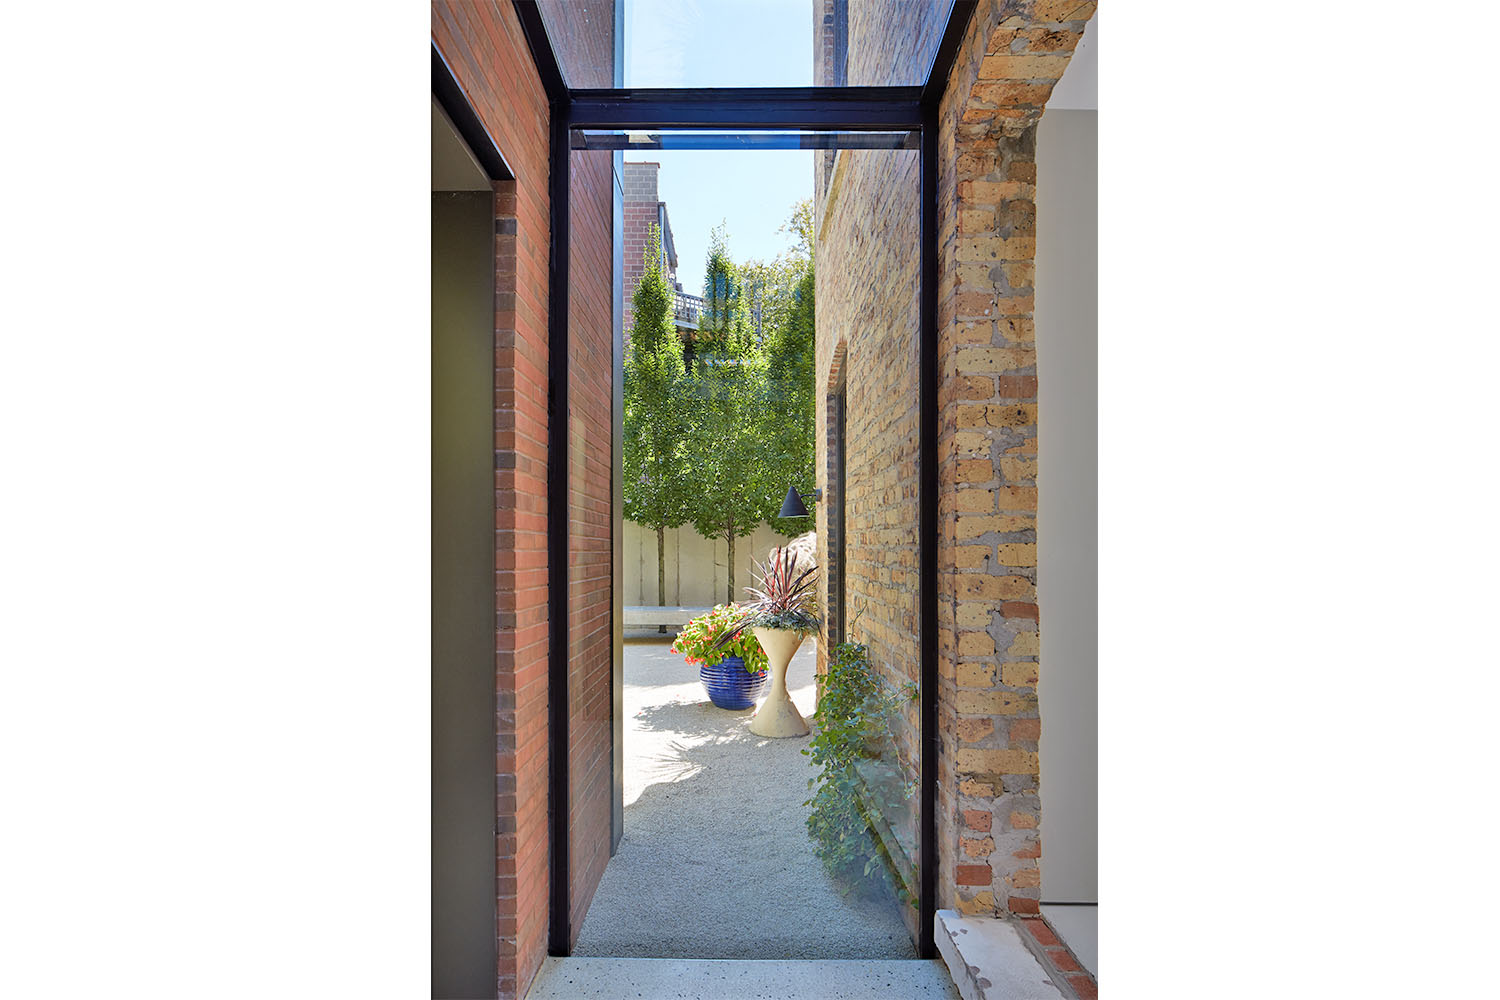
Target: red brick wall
[(483, 44), (487, 52), (590, 482)]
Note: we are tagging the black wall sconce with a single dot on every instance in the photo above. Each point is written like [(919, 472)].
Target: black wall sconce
[(793, 506)]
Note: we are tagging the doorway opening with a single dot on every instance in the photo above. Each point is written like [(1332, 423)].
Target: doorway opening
[(717, 837)]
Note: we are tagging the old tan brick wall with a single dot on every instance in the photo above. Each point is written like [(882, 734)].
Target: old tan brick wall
[(988, 847), (991, 647), (867, 295)]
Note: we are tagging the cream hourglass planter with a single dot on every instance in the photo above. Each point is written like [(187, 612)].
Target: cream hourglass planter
[(777, 717)]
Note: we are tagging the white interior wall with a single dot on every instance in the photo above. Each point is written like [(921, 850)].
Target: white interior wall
[(1067, 517)]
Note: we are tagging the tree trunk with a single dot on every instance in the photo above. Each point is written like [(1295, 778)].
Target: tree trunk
[(729, 576), (661, 571)]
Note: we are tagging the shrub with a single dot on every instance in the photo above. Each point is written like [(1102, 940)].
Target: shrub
[(853, 718), (703, 640)]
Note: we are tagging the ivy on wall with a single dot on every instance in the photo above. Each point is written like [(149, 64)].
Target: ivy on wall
[(854, 717)]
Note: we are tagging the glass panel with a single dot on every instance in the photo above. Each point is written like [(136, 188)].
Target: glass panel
[(868, 256), (707, 140), (583, 40), (744, 305), (748, 43)]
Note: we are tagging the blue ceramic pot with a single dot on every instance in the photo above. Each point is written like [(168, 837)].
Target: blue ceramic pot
[(729, 686)]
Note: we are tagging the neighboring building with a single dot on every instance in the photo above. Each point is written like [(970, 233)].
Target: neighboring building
[(644, 209)]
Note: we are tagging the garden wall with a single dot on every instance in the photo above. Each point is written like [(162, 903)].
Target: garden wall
[(695, 565)]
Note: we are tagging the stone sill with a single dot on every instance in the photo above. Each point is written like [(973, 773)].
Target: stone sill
[(989, 960)]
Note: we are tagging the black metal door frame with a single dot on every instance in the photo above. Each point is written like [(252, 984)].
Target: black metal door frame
[(759, 110)]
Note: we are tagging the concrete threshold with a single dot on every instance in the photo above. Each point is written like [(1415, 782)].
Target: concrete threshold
[(731, 979), (989, 960)]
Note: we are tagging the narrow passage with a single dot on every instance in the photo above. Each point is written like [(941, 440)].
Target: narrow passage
[(716, 861)]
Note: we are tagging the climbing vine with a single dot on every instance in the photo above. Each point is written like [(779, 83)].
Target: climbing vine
[(853, 724)]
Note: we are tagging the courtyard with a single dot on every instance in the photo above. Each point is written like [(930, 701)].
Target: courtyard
[(716, 862)]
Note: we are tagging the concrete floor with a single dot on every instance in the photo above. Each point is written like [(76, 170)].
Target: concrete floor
[(679, 979), (1078, 926), (716, 862)]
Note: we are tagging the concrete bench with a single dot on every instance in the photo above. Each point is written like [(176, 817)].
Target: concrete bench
[(637, 616)]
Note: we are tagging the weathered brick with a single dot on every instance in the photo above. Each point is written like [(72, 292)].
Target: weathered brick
[(978, 820), (973, 556), (1026, 878), (974, 525), (1055, 11), (1018, 674), (1025, 730), (976, 789), (1016, 554), (982, 847), (1017, 386), (982, 904), (996, 588), (1017, 330), (973, 615), (975, 730), (972, 874), (1025, 644), (972, 443), (1008, 761), (1018, 469), (995, 248), (976, 644), (997, 702), (975, 675), (975, 501), (1014, 498), (1014, 93), (977, 387), (1025, 67), (1039, 930), (994, 359)]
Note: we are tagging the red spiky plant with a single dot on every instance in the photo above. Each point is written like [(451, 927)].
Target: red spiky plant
[(784, 599)]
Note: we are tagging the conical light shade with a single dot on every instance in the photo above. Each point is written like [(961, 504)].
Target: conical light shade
[(792, 506)]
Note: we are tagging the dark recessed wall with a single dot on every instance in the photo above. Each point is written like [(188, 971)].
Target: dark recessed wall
[(463, 675)]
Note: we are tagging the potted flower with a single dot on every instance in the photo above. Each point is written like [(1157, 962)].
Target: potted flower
[(781, 615), (734, 672)]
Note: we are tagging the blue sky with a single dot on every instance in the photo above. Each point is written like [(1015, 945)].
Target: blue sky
[(723, 43)]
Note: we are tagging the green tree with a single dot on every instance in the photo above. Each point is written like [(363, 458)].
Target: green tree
[(729, 458), (772, 285), (655, 482), (784, 288), (789, 419)]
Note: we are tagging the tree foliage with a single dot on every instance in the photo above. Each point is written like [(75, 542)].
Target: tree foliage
[(729, 460), (656, 483), (717, 441), (791, 365)]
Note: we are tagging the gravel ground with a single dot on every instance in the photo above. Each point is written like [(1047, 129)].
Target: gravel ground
[(716, 861)]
